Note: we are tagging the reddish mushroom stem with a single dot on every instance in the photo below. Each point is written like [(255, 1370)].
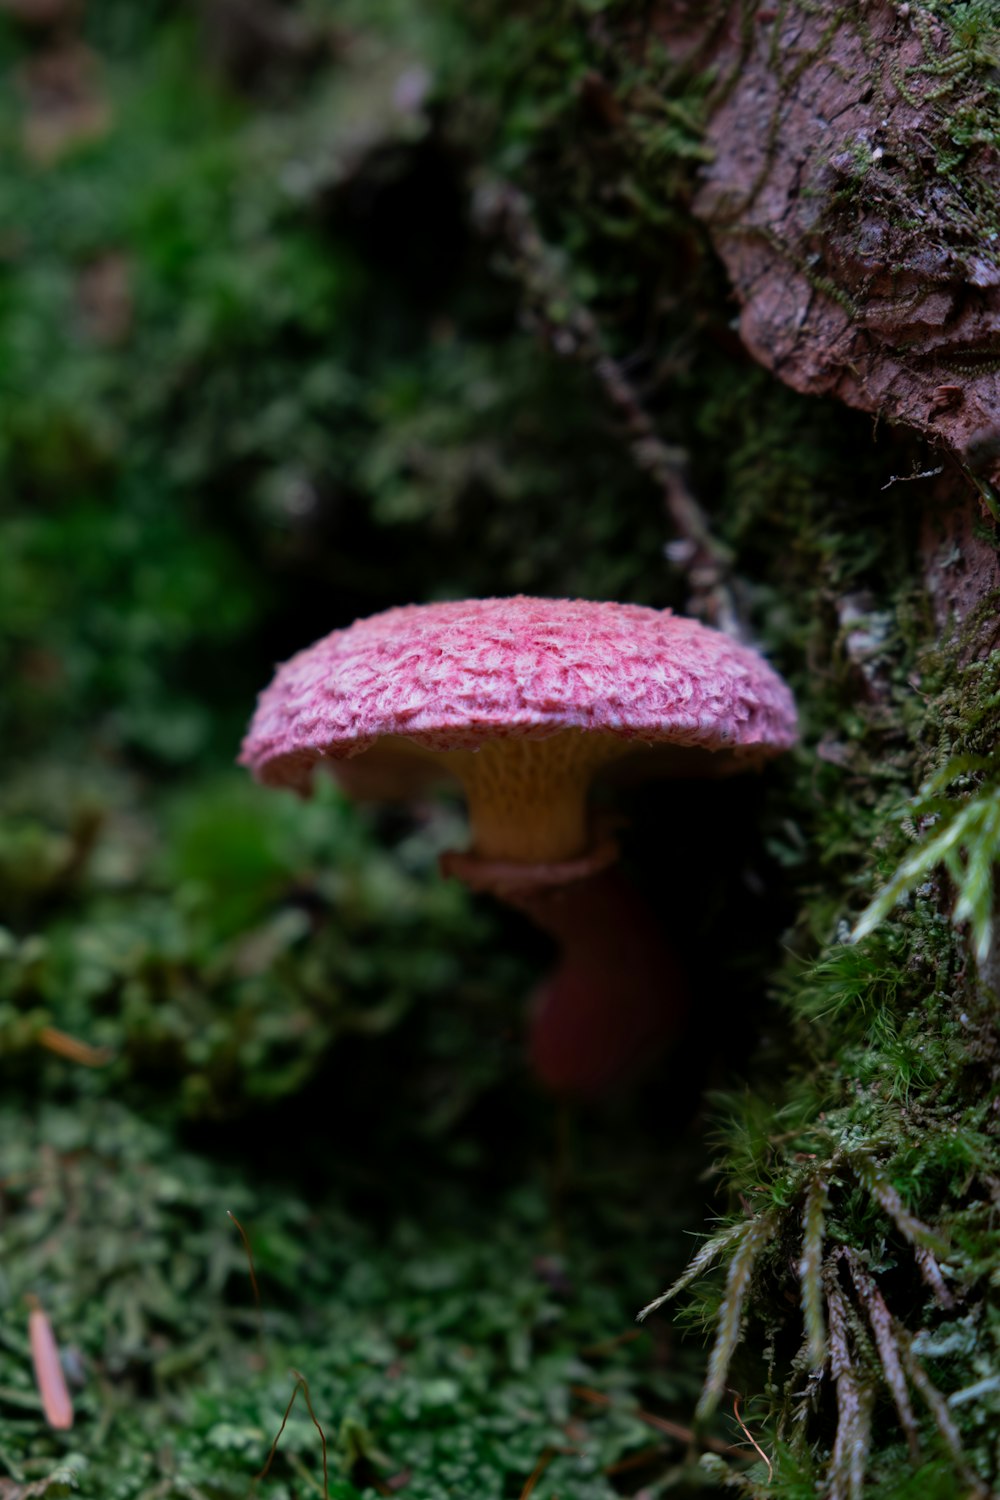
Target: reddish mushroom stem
[(617, 997)]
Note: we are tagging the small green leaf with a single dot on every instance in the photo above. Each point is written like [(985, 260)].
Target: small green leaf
[(967, 843)]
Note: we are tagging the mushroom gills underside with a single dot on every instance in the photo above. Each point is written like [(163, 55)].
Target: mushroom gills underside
[(528, 797)]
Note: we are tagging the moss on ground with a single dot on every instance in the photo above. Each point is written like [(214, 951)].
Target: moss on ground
[(445, 1340)]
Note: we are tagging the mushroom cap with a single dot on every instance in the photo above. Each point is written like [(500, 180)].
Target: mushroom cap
[(453, 676)]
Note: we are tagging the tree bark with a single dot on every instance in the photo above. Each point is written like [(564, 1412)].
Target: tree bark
[(861, 241)]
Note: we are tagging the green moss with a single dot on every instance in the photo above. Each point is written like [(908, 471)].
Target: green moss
[(428, 1349)]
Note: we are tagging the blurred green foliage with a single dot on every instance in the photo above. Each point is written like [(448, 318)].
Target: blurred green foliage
[(217, 400)]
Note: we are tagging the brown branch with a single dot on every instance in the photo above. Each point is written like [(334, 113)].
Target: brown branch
[(672, 1429), (505, 214)]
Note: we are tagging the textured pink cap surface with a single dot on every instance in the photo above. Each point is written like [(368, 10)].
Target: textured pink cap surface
[(450, 676)]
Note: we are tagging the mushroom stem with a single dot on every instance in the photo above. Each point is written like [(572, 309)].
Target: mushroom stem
[(617, 997), (527, 798)]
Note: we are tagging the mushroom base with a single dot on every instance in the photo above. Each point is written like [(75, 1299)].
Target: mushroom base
[(617, 997)]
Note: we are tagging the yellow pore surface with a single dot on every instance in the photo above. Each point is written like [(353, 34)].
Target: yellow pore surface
[(527, 798)]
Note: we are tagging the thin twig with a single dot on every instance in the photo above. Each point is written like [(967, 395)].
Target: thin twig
[(663, 1424), (908, 478), (301, 1384), (505, 213), (72, 1048), (749, 1435), (547, 1456), (253, 1277), (606, 1346), (637, 1460)]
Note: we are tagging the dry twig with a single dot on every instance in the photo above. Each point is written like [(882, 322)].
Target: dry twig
[(505, 213)]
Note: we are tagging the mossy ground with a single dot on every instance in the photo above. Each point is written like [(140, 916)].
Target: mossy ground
[(305, 393)]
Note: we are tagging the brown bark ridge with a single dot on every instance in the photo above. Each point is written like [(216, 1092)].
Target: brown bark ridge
[(853, 196), (961, 567)]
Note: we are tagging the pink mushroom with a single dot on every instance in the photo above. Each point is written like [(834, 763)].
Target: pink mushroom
[(524, 702)]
